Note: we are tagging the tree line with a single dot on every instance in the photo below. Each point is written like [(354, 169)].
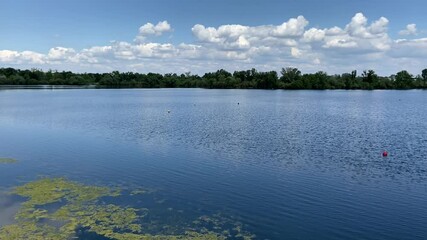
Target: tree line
[(289, 78)]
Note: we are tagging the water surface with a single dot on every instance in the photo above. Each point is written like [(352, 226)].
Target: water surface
[(287, 164)]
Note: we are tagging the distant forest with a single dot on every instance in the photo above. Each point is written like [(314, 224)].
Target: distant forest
[(288, 78)]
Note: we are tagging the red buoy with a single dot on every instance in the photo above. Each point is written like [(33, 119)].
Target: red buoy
[(385, 154)]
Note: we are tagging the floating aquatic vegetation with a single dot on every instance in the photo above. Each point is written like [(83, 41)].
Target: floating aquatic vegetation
[(56, 208), (79, 208), (7, 160), (29, 230), (228, 226)]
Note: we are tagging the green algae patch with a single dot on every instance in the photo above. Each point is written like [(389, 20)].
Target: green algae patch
[(48, 190), (56, 208), (229, 227), (29, 230), (7, 160), (78, 207)]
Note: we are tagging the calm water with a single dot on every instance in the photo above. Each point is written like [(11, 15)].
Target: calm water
[(287, 164)]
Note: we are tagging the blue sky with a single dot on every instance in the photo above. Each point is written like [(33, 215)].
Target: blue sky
[(199, 35)]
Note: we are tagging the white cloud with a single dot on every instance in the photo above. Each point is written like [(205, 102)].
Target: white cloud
[(8, 56), (411, 29), (414, 48), (334, 31), (379, 26), (155, 50), (15, 57), (358, 27), (358, 36), (314, 35), (226, 36), (292, 28), (205, 34), (242, 42), (361, 44), (295, 52), (33, 57), (60, 53), (94, 54), (234, 37), (150, 29), (123, 50), (342, 42), (98, 50), (189, 51)]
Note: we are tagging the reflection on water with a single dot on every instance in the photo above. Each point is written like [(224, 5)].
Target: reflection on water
[(8, 208), (286, 164)]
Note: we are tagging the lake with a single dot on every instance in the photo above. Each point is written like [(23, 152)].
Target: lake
[(256, 163)]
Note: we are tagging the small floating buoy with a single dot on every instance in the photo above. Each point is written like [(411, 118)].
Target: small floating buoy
[(385, 154), (169, 111), (238, 103)]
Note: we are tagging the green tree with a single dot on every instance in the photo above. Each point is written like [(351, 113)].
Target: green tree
[(424, 76), (290, 75), (321, 80), (17, 79), (369, 76), (267, 80), (3, 79), (403, 80), (347, 79), (353, 74)]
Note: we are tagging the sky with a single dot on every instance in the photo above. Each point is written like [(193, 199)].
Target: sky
[(198, 36)]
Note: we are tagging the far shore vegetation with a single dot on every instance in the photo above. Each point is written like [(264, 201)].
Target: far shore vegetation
[(288, 78)]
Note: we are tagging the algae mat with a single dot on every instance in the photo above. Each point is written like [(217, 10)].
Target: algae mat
[(7, 160), (56, 208)]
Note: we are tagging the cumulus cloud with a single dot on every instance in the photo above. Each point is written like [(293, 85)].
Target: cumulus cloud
[(293, 28), (358, 27), (60, 53), (361, 43), (235, 37), (340, 42), (359, 35), (314, 35), (32, 57), (379, 27), (225, 34), (411, 29), (295, 52), (414, 48), (94, 54), (7, 56), (150, 29)]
